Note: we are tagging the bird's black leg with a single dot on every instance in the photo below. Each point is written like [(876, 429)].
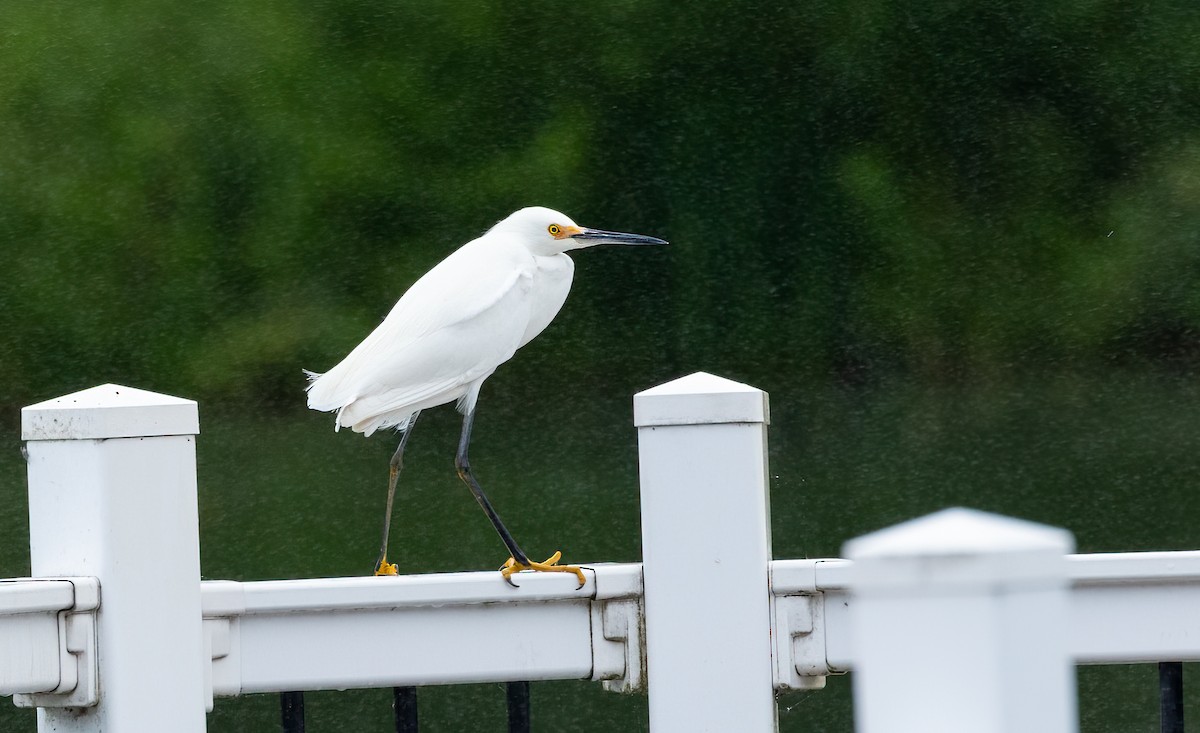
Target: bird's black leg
[(382, 566), (464, 472), (518, 560)]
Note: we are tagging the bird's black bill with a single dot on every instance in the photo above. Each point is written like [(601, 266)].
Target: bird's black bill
[(599, 236)]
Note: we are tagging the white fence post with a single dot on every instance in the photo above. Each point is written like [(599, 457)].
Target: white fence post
[(959, 623), (706, 545), (112, 494)]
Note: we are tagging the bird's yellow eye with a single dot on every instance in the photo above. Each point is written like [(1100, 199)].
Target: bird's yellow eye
[(554, 230)]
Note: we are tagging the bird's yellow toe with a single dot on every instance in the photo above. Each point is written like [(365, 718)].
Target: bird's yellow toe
[(550, 565)]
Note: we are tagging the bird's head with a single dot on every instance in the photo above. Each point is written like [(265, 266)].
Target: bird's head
[(548, 232)]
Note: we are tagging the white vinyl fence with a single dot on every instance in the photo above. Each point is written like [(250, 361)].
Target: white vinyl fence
[(957, 621)]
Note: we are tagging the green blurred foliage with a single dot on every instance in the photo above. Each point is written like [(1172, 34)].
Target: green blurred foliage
[(204, 198)]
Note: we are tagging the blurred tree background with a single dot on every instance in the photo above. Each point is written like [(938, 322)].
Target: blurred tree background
[(202, 199), (958, 241)]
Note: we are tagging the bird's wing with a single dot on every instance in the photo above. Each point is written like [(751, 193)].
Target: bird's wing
[(455, 325)]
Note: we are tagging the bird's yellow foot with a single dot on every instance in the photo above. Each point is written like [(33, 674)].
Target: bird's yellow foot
[(386, 568), (549, 566)]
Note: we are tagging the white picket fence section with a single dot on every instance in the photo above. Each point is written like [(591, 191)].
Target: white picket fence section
[(956, 621)]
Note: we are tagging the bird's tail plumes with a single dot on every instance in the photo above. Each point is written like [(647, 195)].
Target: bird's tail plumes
[(351, 412), (315, 395), (320, 397)]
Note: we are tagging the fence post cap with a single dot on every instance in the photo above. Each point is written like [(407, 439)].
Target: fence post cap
[(959, 547), (698, 399), (109, 411)]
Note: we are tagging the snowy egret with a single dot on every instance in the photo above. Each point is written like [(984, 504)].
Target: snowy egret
[(448, 333)]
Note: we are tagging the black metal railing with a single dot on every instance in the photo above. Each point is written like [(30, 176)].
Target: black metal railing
[(404, 704), (518, 707), (291, 706), (404, 707), (1170, 696)]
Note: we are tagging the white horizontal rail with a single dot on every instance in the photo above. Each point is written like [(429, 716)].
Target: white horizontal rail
[(1135, 607), (1126, 607), (47, 639), (29, 658), (452, 628)]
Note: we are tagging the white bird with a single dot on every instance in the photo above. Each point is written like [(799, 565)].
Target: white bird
[(448, 333)]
